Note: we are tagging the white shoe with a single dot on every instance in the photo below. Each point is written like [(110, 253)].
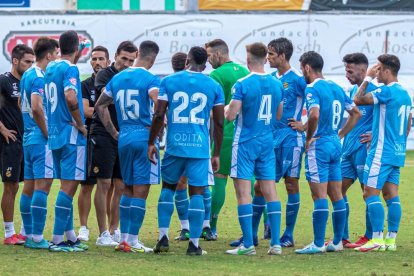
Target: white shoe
[(241, 250), (140, 246), (331, 247), (105, 239), (83, 233), (116, 236), (275, 250)]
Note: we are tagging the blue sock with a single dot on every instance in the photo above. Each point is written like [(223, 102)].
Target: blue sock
[(259, 204), (368, 229), (63, 209), (376, 213), (338, 220), (196, 215), (346, 229), (274, 213), (124, 218), (69, 225), (165, 208), (320, 218), (39, 212), (292, 210), (181, 204), (25, 202), (245, 219), (394, 214), (136, 214), (207, 203)]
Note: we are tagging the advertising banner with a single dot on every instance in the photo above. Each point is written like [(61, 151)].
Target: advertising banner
[(396, 5), (253, 4)]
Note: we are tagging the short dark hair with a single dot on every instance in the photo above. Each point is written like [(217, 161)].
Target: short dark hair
[(178, 61), (390, 62), (43, 46), (126, 46), (313, 59), (148, 48), (258, 50), (68, 42), (101, 49), (218, 43), (356, 58), (282, 46), (198, 55), (20, 50)]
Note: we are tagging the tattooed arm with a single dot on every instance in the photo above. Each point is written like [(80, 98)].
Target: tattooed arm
[(101, 108), (361, 98)]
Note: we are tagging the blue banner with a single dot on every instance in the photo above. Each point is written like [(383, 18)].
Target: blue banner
[(14, 3)]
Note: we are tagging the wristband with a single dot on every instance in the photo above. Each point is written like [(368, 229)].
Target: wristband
[(368, 79)]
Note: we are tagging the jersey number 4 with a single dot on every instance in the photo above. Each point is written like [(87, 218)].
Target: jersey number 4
[(265, 110), (184, 105)]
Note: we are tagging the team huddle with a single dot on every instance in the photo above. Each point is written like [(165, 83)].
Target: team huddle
[(238, 122)]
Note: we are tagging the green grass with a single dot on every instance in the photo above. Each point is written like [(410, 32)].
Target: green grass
[(104, 261)]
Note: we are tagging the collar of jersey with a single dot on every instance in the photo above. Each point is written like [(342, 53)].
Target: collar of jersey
[(314, 82), (279, 76), (260, 74), (132, 67), (392, 83), (193, 71)]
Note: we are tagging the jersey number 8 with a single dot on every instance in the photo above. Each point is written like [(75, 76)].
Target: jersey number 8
[(336, 111)]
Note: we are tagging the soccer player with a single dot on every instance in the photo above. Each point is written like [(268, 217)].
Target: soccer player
[(11, 129), (38, 161), (190, 96), (325, 102), (104, 150), (356, 144), (390, 128), (134, 91), (226, 73), (67, 138), (289, 140), (99, 60), (256, 104)]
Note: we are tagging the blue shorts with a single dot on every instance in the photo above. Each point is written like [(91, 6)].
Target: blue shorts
[(288, 162), (70, 162), (136, 169), (376, 174), (38, 162), (195, 169), (323, 161), (254, 157), (352, 166)]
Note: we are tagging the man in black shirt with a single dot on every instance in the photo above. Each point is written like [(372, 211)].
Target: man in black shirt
[(105, 161), (11, 129), (99, 60)]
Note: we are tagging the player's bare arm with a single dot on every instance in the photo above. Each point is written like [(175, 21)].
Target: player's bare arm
[(361, 98), (410, 118), (73, 105), (354, 116), (231, 110), (313, 119), (279, 111), (87, 110), (218, 118), (157, 124), (102, 110), (38, 113)]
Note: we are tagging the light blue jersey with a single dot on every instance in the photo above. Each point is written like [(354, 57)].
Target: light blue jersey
[(332, 101), (191, 96), (294, 86), (364, 125), (392, 107), (257, 116), (60, 76), (32, 82)]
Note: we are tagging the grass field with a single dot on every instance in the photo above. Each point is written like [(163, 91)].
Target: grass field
[(104, 261)]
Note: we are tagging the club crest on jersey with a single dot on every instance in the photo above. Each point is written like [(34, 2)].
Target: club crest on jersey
[(308, 96), (73, 81), (95, 169), (285, 85)]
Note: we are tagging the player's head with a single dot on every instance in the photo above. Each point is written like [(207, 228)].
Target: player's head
[(256, 54), (389, 65), (99, 58), (218, 52), (148, 51), (279, 51), (22, 58), (356, 65), (125, 55), (69, 43), (196, 59), (178, 61), (46, 48), (311, 64)]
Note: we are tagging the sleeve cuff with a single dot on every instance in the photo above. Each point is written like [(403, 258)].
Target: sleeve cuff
[(152, 89), (71, 87), (163, 97)]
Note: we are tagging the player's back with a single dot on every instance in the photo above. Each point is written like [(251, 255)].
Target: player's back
[(191, 96), (261, 95), (60, 76), (32, 82)]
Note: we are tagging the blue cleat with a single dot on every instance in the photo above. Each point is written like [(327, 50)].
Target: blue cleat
[(311, 249), (61, 247), (237, 243), (286, 241), (43, 244)]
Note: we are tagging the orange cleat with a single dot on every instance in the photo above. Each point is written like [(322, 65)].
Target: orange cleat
[(360, 242), (14, 240)]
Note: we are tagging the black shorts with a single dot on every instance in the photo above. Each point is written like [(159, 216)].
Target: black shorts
[(104, 157), (12, 162), (90, 180)]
